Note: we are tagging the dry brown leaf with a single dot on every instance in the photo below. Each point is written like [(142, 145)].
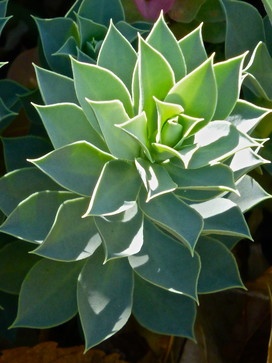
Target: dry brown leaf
[(49, 352)]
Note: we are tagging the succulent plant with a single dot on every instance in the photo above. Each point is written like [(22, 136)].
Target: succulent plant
[(137, 208)]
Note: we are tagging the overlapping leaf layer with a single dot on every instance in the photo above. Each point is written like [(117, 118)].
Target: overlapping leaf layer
[(136, 209)]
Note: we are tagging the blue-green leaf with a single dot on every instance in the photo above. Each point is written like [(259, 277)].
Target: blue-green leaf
[(117, 55), (32, 219), (48, 295), (216, 260), (251, 193), (66, 123), (122, 233), (175, 216), (155, 178), (71, 237), (161, 261), (159, 310), (15, 186), (108, 114), (104, 297), (62, 166), (222, 216), (124, 182), (163, 40)]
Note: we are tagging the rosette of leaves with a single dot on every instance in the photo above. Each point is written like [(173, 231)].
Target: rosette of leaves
[(81, 31), (138, 206)]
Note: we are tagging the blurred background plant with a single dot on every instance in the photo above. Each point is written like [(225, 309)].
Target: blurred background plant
[(231, 326)]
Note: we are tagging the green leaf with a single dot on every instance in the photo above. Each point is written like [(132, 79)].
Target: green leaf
[(136, 127), (102, 11), (251, 193), (104, 297), (245, 161), (18, 149), (174, 216), (222, 216), (71, 237), (216, 260), (89, 30), (217, 141), (228, 76), (32, 219), (53, 34), (10, 93), (161, 262), (108, 114), (117, 55), (156, 77), (197, 92), (64, 90), (19, 184), (124, 182), (15, 263), (193, 49), (163, 40), (159, 310), (239, 39), (6, 116), (63, 166), (66, 123), (122, 233), (246, 116), (268, 8), (155, 178), (104, 86), (212, 177), (48, 295), (259, 71)]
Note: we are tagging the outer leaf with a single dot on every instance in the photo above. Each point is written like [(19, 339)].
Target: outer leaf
[(38, 309), (161, 261), (63, 166), (175, 217), (34, 216), (156, 179), (197, 92), (216, 259), (163, 40), (251, 193), (215, 177), (66, 123), (15, 263), (71, 237), (124, 182), (117, 55), (102, 11), (104, 297), (259, 72), (193, 49), (108, 114), (15, 186), (246, 116), (217, 141), (6, 116), (268, 7), (58, 29), (156, 77), (159, 310), (228, 76), (238, 39), (222, 216), (244, 161), (64, 90), (104, 86), (122, 233)]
